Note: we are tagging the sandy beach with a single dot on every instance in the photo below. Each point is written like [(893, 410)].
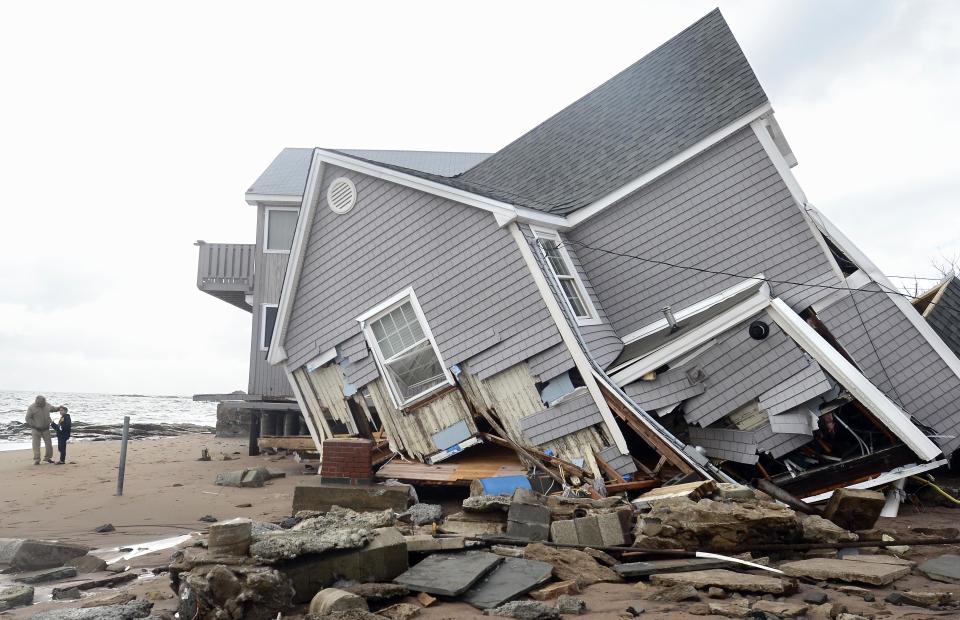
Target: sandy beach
[(166, 490)]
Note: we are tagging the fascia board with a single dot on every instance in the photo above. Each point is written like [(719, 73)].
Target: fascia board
[(888, 413), (278, 353), (596, 207), (696, 308), (255, 199), (631, 371)]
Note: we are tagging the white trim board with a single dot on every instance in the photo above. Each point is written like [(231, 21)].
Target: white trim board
[(891, 476), (266, 228), (552, 235), (263, 325), (255, 199)]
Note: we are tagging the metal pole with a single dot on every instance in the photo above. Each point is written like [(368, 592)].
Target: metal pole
[(123, 453)]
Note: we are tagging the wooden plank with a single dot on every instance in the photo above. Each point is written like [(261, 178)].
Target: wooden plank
[(651, 439), (634, 485), (610, 471), (293, 442)]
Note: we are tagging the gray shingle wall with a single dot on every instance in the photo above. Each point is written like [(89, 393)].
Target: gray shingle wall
[(779, 444), (726, 444), (551, 362), (739, 369), (796, 390), (726, 210), (797, 422), (668, 388), (691, 86), (573, 413), (944, 317), (919, 379), (468, 275)]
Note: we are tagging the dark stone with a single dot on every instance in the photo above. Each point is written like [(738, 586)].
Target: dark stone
[(945, 568), (854, 509), (422, 514), (815, 598), (644, 569), (54, 574), (526, 610), (513, 577), (26, 554), (869, 598), (894, 598), (103, 529), (289, 522), (208, 519), (15, 596), (377, 592), (449, 574), (68, 594)]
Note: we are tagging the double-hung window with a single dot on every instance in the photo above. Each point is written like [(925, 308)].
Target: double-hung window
[(566, 276), (400, 339), (280, 223)]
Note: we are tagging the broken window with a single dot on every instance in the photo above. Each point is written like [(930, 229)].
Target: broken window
[(847, 266), (562, 268), (407, 353), (268, 319)]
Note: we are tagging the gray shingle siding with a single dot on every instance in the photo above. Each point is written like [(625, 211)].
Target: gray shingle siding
[(549, 363), (467, 273), (778, 444), (726, 444), (798, 389), (739, 369), (727, 210), (575, 412), (669, 388), (919, 379), (944, 317), (623, 463), (796, 422)]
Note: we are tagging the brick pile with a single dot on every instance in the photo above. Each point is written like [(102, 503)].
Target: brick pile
[(347, 461)]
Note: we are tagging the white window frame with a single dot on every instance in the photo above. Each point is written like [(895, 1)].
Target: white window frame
[(266, 228), (379, 311), (265, 344), (553, 235)]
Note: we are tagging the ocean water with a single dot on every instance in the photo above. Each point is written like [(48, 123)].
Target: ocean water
[(110, 408)]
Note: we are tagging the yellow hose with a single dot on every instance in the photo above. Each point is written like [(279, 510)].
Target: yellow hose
[(937, 489)]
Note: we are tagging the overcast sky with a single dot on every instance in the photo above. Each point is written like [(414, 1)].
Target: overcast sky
[(129, 130)]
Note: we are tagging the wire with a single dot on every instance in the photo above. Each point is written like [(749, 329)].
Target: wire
[(936, 488)]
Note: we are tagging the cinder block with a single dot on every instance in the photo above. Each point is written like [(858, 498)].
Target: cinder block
[(564, 532), (588, 531), (322, 497), (611, 529)]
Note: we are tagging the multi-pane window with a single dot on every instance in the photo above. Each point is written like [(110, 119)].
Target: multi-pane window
[(563, 271), (406, 352), (279, 227)]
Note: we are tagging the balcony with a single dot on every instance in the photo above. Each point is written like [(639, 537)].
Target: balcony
[(225, 270)]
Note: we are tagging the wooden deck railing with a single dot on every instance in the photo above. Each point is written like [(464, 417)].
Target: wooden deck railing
[(226, 267)]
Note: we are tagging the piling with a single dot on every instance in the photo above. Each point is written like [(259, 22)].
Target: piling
[(123, 453)]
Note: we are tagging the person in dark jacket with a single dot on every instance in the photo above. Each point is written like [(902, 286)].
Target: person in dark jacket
[(62, 429)]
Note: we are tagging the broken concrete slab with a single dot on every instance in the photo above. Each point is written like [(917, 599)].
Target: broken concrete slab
[(919, 599), (846, 570), (449, 574), (69, 594), (731, 491), (378, 592), (820, 530), (323, 496), (571, 564), (571, 605), (781, 609), (16, 596), (104, 601), (230, 478), (253, 478), (726, 579), (138, 608), (691, 490), (739, 608), (475, 524), (945, 568), (28, 554), (601, 556), (332, 600), (669, 594), (52, 574), (487, 503), (655, 567), (400, 611), (422, 514), (87, 564), (507, 551), (508, 580), (526, 610), (230, 538), (854, 509), (881, 558)]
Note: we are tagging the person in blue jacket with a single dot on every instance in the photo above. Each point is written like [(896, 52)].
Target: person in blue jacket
[(62, 429)]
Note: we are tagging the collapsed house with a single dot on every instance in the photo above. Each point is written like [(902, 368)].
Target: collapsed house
[(638, 286), (940, 306)]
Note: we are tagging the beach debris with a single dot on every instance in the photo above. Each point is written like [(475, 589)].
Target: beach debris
[(105, 582), (511, 578), (528, 518), (854, 509), (728, 580), (208, 519), (449, 574), (426, 543), (87, 564), (400, 611), (525, 610), (555, 590), (331, 600), (248, 478), (781, 609), (15, 596), (848, 570), (601, 556), (486, 503), (103, 529), (679, 565), (104, 601), (815, 597), (376, 592), (571, 564), (680, 523), (818, 529), (669, 594), (244, 505), (572, 605), (422, 514), (475, 524), (425, 599), (739, 608), (204, 454), (215, 592), (28, 554), (920, 599), (157, 595), (137, 608), (230, 537), (67, 594), (322, 497), (53, 574), (945, 568)]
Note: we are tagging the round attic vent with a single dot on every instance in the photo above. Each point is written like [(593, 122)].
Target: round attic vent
[(341, 195)]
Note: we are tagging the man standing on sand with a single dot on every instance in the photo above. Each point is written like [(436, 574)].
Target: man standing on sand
[(38, 420)]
